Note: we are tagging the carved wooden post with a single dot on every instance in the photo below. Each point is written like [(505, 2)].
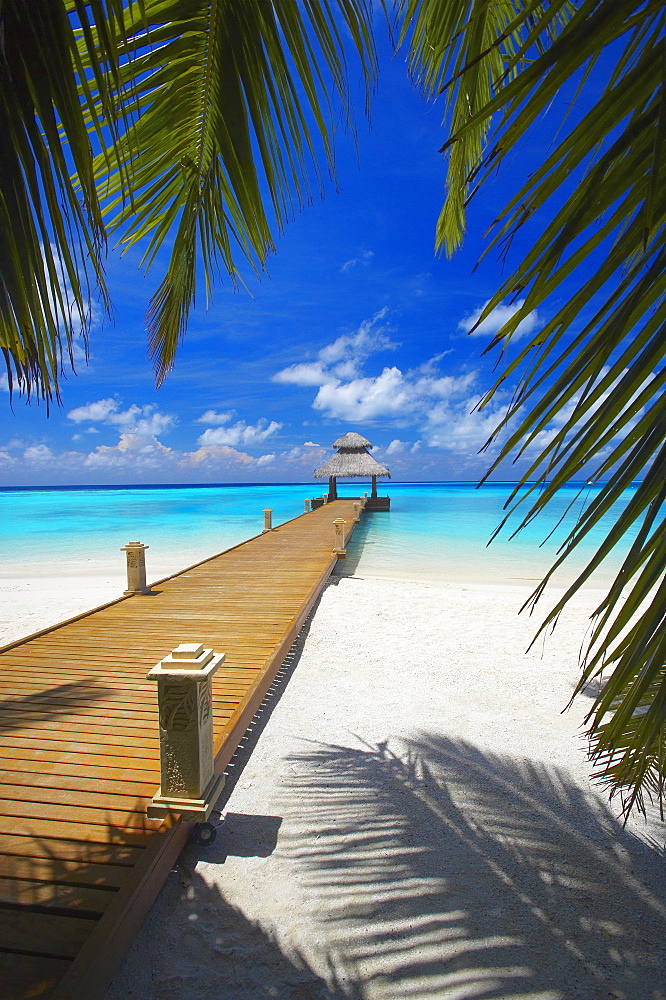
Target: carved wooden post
[(136, 568), (307, 506), (268, 515), (357, 512), (339, 546), (189, 786)]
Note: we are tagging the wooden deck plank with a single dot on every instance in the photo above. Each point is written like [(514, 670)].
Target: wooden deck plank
[(38, 828), (70, 768), (84, 901), (44, 754), (79, 746), (127, 818), (73, 782), (79, 797), (79, 851), (29, 977), (57, 936), (83, 874)]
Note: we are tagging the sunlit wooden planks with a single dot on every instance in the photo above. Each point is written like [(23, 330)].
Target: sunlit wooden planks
[(79, 752)]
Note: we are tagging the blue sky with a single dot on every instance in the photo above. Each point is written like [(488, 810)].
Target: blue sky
[(356, 326)]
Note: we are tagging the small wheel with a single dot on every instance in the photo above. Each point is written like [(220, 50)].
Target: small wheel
[(204, 834)]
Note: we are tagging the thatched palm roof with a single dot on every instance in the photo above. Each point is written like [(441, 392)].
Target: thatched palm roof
[(350, 464), (352, 440), (352, 460)]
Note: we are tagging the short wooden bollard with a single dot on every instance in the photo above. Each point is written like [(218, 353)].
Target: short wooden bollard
[(357, 513), (307, 506), (136, 568), (190, 787), (339, 546), (268, 519)]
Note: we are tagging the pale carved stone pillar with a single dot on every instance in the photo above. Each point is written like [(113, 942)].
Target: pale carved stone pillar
[(268, 519), (136, 568), (307, 506), (339, 546), (357, 512), (190, 787)]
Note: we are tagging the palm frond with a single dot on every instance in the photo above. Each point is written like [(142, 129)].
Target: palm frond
[(468, 51), (51, 227), (226, 100), (589, 400)]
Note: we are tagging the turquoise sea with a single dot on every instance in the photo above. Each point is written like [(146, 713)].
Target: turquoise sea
[(434, 531)]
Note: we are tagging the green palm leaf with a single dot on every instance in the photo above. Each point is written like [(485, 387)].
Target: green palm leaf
[(51, 227), (212, 123), (589, 400), (226, 100)]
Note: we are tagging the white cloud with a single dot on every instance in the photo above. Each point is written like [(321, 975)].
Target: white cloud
[(364, 258), (345, 393), (215, 418), (215, 456), (462, 428), (403, 397), (4, 383), (240, 433), (344, 357), (496, 319), (398, 447), (135, 450), (311, 444), (306, 373), (145, 456), (144, 420), (99, 411), (38, 454)]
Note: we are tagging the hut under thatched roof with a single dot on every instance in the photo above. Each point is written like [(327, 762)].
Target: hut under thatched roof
[(352, 460)]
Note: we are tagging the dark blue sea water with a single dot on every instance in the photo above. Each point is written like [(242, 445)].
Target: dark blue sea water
[(437, 531)]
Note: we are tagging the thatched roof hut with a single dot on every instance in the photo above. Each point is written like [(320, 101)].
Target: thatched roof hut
[(352, 460)]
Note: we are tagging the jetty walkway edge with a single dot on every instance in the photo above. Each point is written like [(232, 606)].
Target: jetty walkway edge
[(80, 862)]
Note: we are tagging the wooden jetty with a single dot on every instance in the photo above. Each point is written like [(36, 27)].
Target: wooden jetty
[(80, 863)]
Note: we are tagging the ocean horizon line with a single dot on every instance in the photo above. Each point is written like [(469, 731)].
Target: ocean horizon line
[(263, 483)]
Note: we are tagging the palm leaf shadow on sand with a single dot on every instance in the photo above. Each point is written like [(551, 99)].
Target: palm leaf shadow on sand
[(425, 870), (441, 871), (194, 944)]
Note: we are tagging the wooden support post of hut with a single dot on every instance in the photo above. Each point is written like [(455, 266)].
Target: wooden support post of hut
[(353, 460)]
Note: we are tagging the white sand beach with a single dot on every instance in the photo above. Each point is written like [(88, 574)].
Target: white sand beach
[(412, 817), (35, 602)]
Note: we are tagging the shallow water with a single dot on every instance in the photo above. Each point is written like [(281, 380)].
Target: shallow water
[(437, 531)]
